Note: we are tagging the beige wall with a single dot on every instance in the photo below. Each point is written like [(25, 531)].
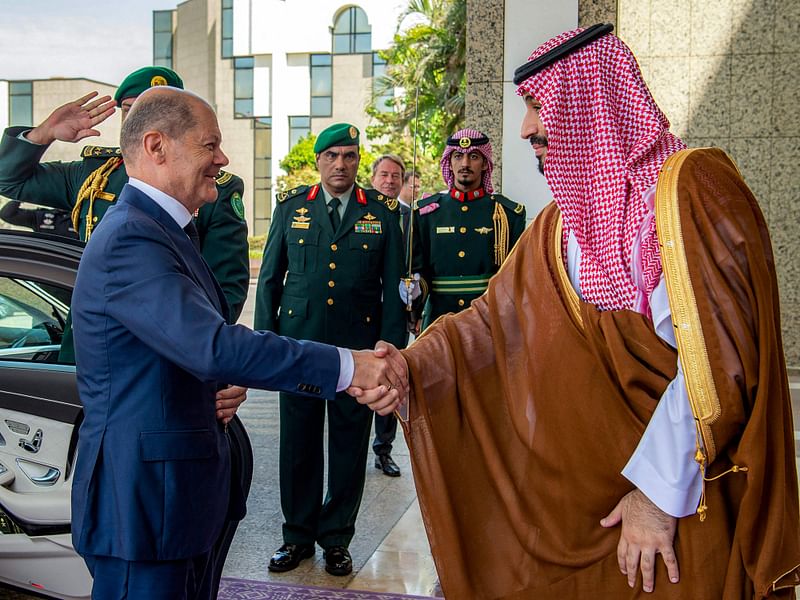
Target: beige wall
[(726, 74), (49, 94)]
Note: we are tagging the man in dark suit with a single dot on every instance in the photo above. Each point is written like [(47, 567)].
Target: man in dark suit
[(150, 490), (388, 173), (329, 274)]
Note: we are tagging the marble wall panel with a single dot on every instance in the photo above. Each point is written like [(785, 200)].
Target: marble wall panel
[(751, 95), (633, 27), (670, 33), (597, 11), (753, 156), (754, 22), (787, 26), (785, 88), (710, 27), (709, 96), (669, 85)]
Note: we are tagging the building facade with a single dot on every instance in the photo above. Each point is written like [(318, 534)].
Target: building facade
[(275, 70), (29, 102)]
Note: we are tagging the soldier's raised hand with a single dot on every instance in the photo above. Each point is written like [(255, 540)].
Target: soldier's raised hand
[(74, 120)]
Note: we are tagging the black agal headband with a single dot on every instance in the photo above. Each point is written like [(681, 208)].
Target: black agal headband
[(571, 45)]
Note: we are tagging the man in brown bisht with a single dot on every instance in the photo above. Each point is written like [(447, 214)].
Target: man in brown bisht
[(619, 392)]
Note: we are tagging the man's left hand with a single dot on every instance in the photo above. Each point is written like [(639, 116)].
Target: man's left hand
[(228, 401), (646, 531)]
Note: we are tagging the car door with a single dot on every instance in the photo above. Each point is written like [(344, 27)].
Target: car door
[(39, 417)]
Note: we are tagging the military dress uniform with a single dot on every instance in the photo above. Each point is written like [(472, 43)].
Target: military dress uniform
[(460, 241), (337, 287), (90, 186)]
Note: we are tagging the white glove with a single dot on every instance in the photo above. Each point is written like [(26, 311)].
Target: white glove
[(411, 286)]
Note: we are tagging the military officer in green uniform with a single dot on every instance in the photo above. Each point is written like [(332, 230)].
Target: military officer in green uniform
[(461, 236), (333, 257), (88, 187)]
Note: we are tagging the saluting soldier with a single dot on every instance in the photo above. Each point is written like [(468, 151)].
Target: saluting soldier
[(333, 256), (88, 187), (462, 235)]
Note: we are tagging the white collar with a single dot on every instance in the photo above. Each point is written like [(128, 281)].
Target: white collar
[(174, 209)]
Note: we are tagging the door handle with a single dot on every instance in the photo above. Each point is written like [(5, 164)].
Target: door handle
[(33, 445)]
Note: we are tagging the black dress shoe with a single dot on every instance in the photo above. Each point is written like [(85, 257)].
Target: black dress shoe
[(385, 463), (338, 560), (288, 557)]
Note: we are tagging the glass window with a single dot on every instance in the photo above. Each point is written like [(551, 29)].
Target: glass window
[(20, 106), (262, 175), (32, 318), (227, 28), (243, 87), (352, 32), (299, 127), (162, 38), (380, 92), (321, 85)]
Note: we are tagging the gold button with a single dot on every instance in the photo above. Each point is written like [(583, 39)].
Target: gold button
[(94, 220), (365, 247), (330, 301), (369, 319), (301, 241), (334, 247), (461, 254), (464, 208), (331, 283), (332, 266), (463, 230), (461, 302), (291, 311)]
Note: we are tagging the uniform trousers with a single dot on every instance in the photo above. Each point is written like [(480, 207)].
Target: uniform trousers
[(307, 518)]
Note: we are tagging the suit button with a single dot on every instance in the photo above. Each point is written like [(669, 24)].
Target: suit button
[(301, 241), (290, 311), (332, 266), (365, 247), (464, 208), (463, 230), (330, 301), (331, 283), (461, 302), (461, 254), (334, 247)]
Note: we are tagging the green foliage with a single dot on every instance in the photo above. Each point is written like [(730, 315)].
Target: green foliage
[(428, 59), (256, 244)]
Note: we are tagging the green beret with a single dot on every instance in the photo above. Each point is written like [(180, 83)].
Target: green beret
[(145, 78), (340, 134)]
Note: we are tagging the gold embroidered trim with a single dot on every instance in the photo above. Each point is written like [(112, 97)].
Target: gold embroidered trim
[(92, 189), (500, 222), (573, 301)]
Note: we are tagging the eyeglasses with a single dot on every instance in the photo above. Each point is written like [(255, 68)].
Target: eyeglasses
[(329, 156)]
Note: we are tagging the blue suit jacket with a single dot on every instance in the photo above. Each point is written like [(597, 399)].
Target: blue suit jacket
[(153, 469)]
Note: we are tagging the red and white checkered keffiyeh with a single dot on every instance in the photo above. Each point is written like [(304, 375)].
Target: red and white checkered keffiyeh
[(607, 140), (484, 149)]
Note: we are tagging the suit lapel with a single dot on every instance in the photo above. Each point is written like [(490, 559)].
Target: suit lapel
[(197, 267)]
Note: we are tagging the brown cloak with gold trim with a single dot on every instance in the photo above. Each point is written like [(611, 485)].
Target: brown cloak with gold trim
[(527, 406)]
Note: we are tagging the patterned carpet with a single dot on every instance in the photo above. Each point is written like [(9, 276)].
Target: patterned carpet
[(245, 589)]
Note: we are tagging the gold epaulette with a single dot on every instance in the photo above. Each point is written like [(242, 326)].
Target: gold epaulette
[(100, 152), (391, 203), (284, 196), (223, 177), (516, 207)]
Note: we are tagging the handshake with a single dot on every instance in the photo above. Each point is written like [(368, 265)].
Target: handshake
[(380, 378)]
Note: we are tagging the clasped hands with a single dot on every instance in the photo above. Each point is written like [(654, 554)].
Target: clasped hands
[(380, 378)]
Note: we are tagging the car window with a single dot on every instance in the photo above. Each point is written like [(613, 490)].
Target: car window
[(32, 319)]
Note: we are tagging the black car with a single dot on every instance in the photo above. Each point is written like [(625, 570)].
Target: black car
[(40, 413)]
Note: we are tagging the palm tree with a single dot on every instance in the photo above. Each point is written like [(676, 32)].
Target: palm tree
[(429, 56)]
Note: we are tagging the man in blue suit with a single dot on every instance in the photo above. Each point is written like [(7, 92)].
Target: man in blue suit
[(150, 490)]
